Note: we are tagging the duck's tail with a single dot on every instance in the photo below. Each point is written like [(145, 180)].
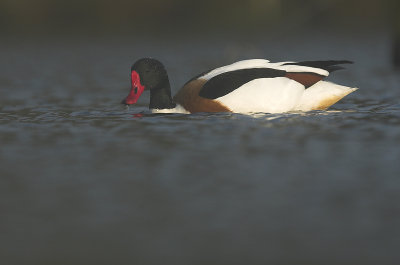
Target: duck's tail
[(322, 95)]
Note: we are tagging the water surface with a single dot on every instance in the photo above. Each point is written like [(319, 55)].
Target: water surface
[(84, 180)]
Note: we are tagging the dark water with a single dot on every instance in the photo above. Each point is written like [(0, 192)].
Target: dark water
[(85, 181)]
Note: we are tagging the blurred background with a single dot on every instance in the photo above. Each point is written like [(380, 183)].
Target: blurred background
[(102, 17), (184, 20), (84, 180), (157, 16)]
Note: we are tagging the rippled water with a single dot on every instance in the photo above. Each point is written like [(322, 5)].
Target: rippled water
[(84, 180)]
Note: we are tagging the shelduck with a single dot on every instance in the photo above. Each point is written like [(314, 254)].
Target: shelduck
[(247, 86)]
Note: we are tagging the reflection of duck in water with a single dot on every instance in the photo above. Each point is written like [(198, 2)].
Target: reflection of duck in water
[(245, 86)]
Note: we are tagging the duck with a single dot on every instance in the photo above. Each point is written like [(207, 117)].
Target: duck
[(247, 86)]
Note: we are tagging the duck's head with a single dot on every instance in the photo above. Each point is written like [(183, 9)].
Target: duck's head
[(146, 74)]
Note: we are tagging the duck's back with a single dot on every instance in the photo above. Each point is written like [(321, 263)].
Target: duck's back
[(260, 86)]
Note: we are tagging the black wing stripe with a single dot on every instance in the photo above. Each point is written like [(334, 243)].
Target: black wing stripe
[(329, 66), (225, 83)]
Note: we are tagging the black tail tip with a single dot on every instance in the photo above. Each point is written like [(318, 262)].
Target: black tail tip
[(344, 62)]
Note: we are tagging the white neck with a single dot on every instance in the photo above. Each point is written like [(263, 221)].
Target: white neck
[(177, 109)]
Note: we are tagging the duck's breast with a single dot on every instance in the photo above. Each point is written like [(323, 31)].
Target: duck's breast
[(188, 97)]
